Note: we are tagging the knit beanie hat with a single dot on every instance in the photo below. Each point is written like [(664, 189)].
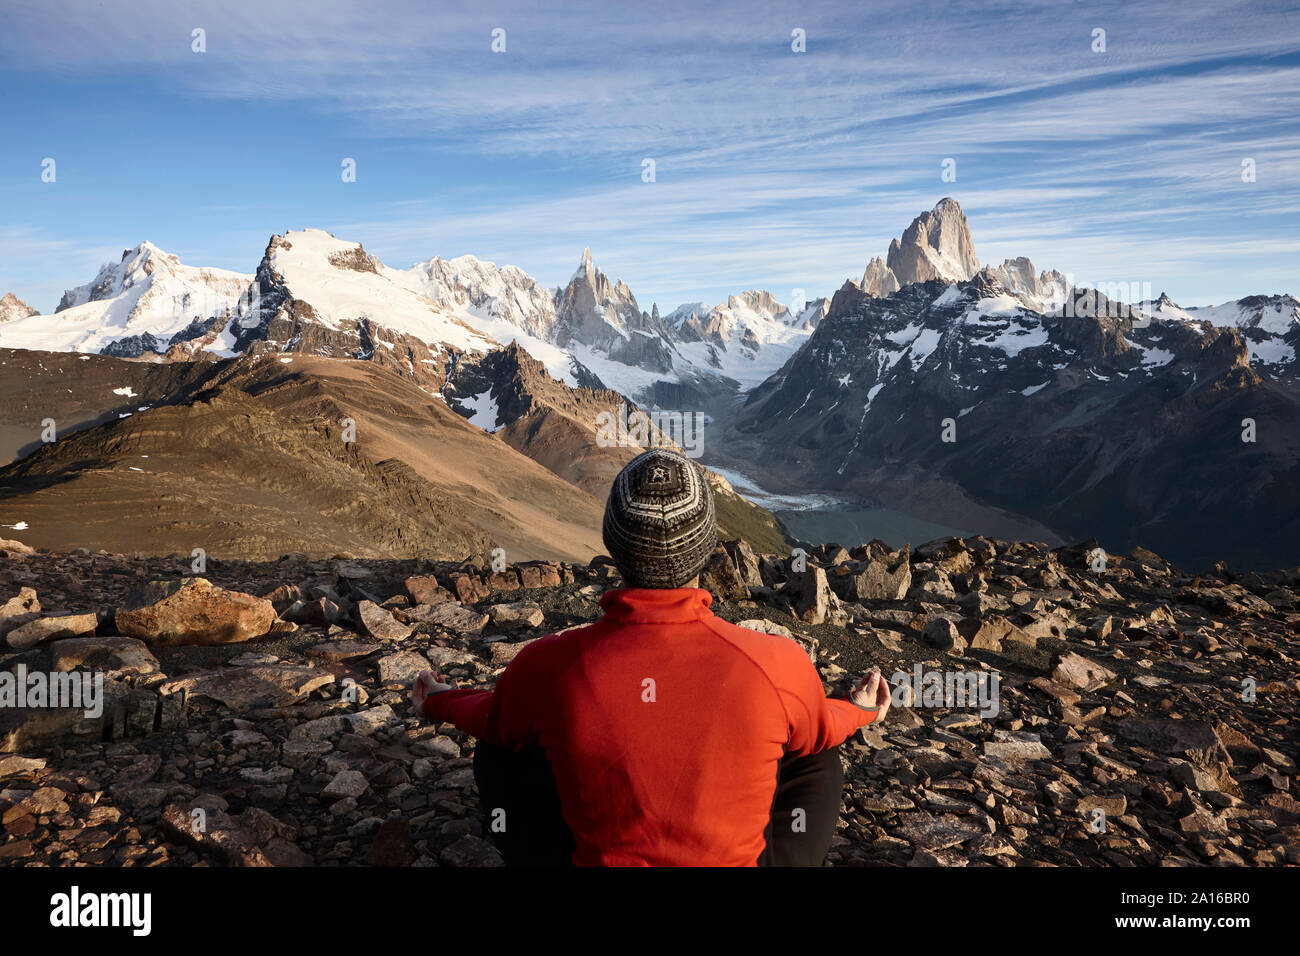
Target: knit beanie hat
[(660, 528)]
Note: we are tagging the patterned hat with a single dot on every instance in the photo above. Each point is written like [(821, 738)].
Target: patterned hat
[(660, 526)]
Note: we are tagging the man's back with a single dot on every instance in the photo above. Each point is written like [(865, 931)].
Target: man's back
[(664, 726)]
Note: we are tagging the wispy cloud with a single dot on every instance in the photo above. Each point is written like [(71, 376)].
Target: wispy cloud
[(773, 168)]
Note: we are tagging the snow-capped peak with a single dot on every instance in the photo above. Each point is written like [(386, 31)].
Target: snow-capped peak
[(144, 299), (12, 307)]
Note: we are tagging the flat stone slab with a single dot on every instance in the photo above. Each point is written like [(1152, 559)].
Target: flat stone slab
[(453, 617), (342, 650), (248, 688), (939, 833), (1016, 746), (401, 668), (51, 628), (115, 656)]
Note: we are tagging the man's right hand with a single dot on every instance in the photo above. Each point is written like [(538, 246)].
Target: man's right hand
[(872, 693)]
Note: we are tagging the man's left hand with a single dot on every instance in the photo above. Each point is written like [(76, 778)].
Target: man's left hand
[(427, 683)]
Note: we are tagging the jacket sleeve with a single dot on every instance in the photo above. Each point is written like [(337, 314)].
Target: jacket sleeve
[(504, 716), (817, 722)]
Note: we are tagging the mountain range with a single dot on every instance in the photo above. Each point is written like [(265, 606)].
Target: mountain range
[(995, 399)]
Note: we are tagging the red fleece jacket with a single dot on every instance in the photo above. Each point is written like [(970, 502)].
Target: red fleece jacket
[(664, 726)]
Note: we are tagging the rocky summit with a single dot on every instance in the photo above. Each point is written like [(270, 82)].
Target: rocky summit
[(1051, 709)]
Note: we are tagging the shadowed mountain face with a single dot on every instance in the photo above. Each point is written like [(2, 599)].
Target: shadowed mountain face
[(1115, 426), (509, 391)]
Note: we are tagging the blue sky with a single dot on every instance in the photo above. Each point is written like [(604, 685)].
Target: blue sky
[(774, 169)]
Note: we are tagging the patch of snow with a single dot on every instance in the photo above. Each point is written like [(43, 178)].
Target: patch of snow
[(947, 297), (484, 410)]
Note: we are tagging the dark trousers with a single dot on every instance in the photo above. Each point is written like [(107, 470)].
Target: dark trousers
[(521, 808)]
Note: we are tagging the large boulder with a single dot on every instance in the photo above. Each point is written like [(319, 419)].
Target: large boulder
[(193, 611)]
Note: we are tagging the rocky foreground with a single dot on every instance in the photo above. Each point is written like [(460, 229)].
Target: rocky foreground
[(257, 714)]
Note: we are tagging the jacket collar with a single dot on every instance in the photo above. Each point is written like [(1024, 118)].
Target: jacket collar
[(656, 605)]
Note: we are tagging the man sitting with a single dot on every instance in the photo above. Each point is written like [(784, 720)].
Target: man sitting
[(661, 734)]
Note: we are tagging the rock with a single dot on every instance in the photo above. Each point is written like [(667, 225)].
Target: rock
[(941, 633), (470, 850), (1075, 670), (811, 597), (503, 653), (10, 548), (938, 833), (121, 709), (247, 688), (305, 736), (392, 845), (934, 586), (378, 622), (1016, 746), (51, 628), (343, 650), (1193, 739), (764, 626), (453, 617), (16, 765), (346, 783), (425, 589), (214, 832), (988, 634), (20, 609), (1056, 691), (193, 611), (542, 574), (366, 722), (884, 576), (520, 613), (503, 581), (721, 579), (439, 656), (116, 657), (401, 668), (321, 612), (746, 562), (468, 588), (1209, 778), (1114, 807)]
